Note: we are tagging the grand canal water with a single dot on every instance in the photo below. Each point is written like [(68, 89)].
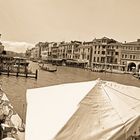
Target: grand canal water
[(15, 88)]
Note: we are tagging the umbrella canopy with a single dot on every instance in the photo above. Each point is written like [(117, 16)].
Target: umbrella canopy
[(98, 110)]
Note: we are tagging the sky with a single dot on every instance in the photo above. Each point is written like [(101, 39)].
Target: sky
[(32, 21), (19, 47)]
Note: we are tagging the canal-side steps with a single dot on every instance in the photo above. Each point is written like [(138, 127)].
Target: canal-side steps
[(11, 124)]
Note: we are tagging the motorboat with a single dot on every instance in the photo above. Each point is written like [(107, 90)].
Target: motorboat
[(48, 67)]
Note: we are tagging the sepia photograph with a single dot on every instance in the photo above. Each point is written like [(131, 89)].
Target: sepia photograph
[(69, 69)]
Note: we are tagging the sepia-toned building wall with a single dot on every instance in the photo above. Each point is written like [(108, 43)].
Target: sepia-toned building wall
[(104, 53), (33, 53), (54, 51), (73, 46), (62, 50), (130, 55), (68, 50), (46, 50), (86, 53)]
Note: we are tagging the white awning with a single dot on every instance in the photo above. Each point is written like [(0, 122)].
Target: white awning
[(96, 110)]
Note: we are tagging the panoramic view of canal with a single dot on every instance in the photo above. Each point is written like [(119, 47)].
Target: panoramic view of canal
[(15, 88)]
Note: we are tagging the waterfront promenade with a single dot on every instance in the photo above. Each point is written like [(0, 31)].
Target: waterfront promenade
[(15, 88)]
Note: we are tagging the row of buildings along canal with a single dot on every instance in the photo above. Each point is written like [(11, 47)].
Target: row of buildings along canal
[(104, 53)]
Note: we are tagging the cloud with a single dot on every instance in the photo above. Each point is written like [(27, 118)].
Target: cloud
[(19, 47)]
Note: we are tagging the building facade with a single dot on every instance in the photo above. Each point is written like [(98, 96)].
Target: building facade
[(130, 55), (86, 53), (33, 54), (62, 50), (55, 51), (68, 50), (104, 53), (44, 50)]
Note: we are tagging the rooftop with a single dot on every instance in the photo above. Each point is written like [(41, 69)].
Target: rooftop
[(132, 43)]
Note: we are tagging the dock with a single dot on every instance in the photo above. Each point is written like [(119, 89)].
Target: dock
[(16, 66), (20, 74)]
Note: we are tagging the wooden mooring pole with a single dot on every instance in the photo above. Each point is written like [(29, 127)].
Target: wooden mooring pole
[(26, 71), (26, 74), (19, 74), (36, 74), (17, 71), (8, 71)]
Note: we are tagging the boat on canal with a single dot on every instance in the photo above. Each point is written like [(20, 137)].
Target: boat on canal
[(48, 67), (136, 75), (11, 124)]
